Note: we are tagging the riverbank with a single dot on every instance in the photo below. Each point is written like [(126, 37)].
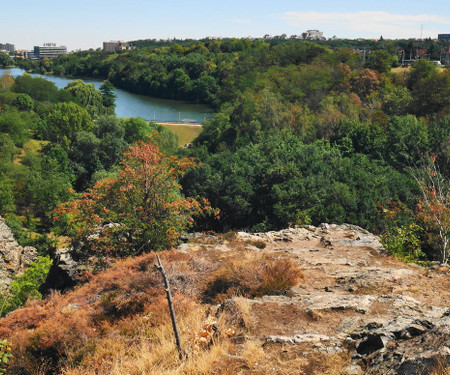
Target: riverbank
[(135, 105)]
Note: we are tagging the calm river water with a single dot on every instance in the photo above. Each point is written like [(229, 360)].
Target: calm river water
[(133, 105)]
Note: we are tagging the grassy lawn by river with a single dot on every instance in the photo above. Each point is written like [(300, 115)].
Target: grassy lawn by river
[(186, 133)]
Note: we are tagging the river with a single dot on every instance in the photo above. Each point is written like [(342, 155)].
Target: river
[(133, 105)]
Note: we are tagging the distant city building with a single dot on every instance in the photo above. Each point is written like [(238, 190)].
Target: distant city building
[(29, 55), (115, 45), (49, 50), (7, 47), (313, 35), (443, 36)]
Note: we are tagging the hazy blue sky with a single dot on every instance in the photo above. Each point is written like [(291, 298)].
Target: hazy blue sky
[(87, 23)]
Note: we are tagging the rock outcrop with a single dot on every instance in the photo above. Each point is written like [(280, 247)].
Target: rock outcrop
[(13, 257), (391, 317)]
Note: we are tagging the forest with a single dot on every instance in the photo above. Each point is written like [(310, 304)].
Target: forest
[(304, 133)]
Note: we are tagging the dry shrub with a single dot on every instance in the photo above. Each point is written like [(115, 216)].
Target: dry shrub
[(151, 349), (229, 236), (260, 244), (251, 278), (236, 312), (52, 343), (252, 353)]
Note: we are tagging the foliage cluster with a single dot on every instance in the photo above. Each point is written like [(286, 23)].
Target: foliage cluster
[(25, 286), (55, 141), (5, 355)]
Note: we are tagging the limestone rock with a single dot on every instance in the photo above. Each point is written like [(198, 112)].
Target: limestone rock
[(13, 257)]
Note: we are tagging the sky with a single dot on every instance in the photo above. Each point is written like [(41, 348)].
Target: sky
[(85, 24)]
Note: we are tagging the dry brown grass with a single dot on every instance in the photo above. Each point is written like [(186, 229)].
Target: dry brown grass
[(186, 133), (252, 276), (152, 350), (118, 322)]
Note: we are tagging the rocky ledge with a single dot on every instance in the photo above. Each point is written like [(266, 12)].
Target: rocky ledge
[(13, 257), (392, 317), (387, 316)]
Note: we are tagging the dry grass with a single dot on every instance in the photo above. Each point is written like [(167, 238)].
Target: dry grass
[(320, 363), (441, 367), (252, 275), (152, 350), (118, 322), (253, 353)]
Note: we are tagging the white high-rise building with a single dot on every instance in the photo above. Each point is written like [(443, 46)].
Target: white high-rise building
[(49, 50)]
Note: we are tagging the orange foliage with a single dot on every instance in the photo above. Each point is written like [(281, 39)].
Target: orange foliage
[(142, 206)]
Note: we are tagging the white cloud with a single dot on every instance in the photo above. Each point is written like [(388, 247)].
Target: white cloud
[(369, 23)]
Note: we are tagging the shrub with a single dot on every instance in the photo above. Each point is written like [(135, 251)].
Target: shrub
[(404, 242), (5, 355), (252, 278), (260, 244), (26, 285)]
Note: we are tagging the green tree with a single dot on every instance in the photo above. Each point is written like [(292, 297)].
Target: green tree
[(381, 61), (87, 95), (65, 121), (37, 87), (136, 129), (23, 102), (5, 60), (432, 94), (420, 69), (17, 125), (109, 96)]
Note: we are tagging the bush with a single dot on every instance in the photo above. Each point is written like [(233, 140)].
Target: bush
[(143, 206), (23, 102), (5, 355), (252, 278), (404, 242), (26, 285)]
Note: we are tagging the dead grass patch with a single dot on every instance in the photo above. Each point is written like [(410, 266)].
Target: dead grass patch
[(252, 277)]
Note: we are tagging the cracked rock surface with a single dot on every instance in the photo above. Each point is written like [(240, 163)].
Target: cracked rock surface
[(391, 316), (13, 257)]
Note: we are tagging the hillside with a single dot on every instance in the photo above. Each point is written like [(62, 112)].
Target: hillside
[(310, 300)]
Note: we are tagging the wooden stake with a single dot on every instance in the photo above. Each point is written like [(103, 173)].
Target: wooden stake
[(160, 268)]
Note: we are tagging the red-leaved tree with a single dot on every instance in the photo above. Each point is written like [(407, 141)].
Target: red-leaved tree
[(141, 209)]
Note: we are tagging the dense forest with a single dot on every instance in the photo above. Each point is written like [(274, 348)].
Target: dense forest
[(304, 133)]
